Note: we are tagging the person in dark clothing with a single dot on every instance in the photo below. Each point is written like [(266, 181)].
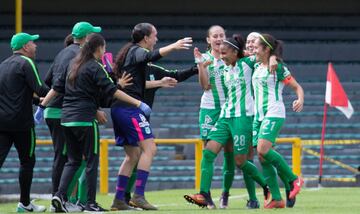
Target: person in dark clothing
[(131, 127), (19, 80), (52, 113), (81, 88), (157, 77), (156, 73)]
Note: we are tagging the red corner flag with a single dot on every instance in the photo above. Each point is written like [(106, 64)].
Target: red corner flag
[(335, 94)]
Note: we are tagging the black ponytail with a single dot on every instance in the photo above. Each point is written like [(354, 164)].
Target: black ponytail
[(86, 53)]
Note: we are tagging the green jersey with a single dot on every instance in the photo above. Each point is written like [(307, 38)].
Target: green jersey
[(214, 98), (240, 100), (268, 91)]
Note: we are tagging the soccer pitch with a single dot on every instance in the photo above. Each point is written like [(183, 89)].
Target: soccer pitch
[(311, 200)]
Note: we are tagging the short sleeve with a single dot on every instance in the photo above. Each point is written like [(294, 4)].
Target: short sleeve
[(282, 72)]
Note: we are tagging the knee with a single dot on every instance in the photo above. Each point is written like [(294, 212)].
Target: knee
[(240, 160), (28, 164), (261, 159), (208, 155), (250, 155), (74, 162), (150, 150), (153, 149), (263, 147), (133, 159)]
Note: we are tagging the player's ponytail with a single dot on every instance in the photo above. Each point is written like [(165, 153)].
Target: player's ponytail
[(86, 53)]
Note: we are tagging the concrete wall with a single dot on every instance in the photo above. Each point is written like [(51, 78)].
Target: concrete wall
[(185, 6)]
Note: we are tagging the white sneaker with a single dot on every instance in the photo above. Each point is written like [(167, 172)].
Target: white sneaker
[(72, 208), (30, 208)]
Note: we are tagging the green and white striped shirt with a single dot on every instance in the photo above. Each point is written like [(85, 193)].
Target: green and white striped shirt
[(214, 98), (240, 100), (268, 91)]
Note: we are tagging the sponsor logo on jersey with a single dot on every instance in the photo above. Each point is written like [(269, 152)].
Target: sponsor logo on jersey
[(152, 77), (144, 122), (206, 124)]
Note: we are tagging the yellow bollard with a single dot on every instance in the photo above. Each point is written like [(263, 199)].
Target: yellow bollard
[(18, 16), (104, 165), (199, 146)]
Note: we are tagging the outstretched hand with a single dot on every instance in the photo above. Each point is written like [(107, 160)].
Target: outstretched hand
[(183, 44), (168, 82), (199, 58)]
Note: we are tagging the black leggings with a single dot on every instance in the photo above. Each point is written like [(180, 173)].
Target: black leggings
[(81, 141), (24, 142), (60, 158)]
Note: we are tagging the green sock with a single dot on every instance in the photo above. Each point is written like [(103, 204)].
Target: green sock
[(74, 181), (82, 188), (250, 185), (250, 169), (207, 170), (228, 171), (279, 162), (285, 181), (271, 180), (131, 181)]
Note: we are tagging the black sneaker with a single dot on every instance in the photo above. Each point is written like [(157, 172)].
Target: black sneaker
[(267, 194), (210, 203), (59, 204), (94, 208), (224, 200), (290, 203), (252, 204), (127, 197)]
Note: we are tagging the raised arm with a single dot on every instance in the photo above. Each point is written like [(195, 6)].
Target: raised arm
[(203, 72), (181, 44)]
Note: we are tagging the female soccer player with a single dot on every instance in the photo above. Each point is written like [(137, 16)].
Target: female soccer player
[(131, 126), (156, 77), (250, 41), (270, 115), (84, 82), (235, 122), (211, 80)]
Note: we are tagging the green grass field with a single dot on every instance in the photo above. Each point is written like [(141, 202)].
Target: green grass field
[(324, 200)]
